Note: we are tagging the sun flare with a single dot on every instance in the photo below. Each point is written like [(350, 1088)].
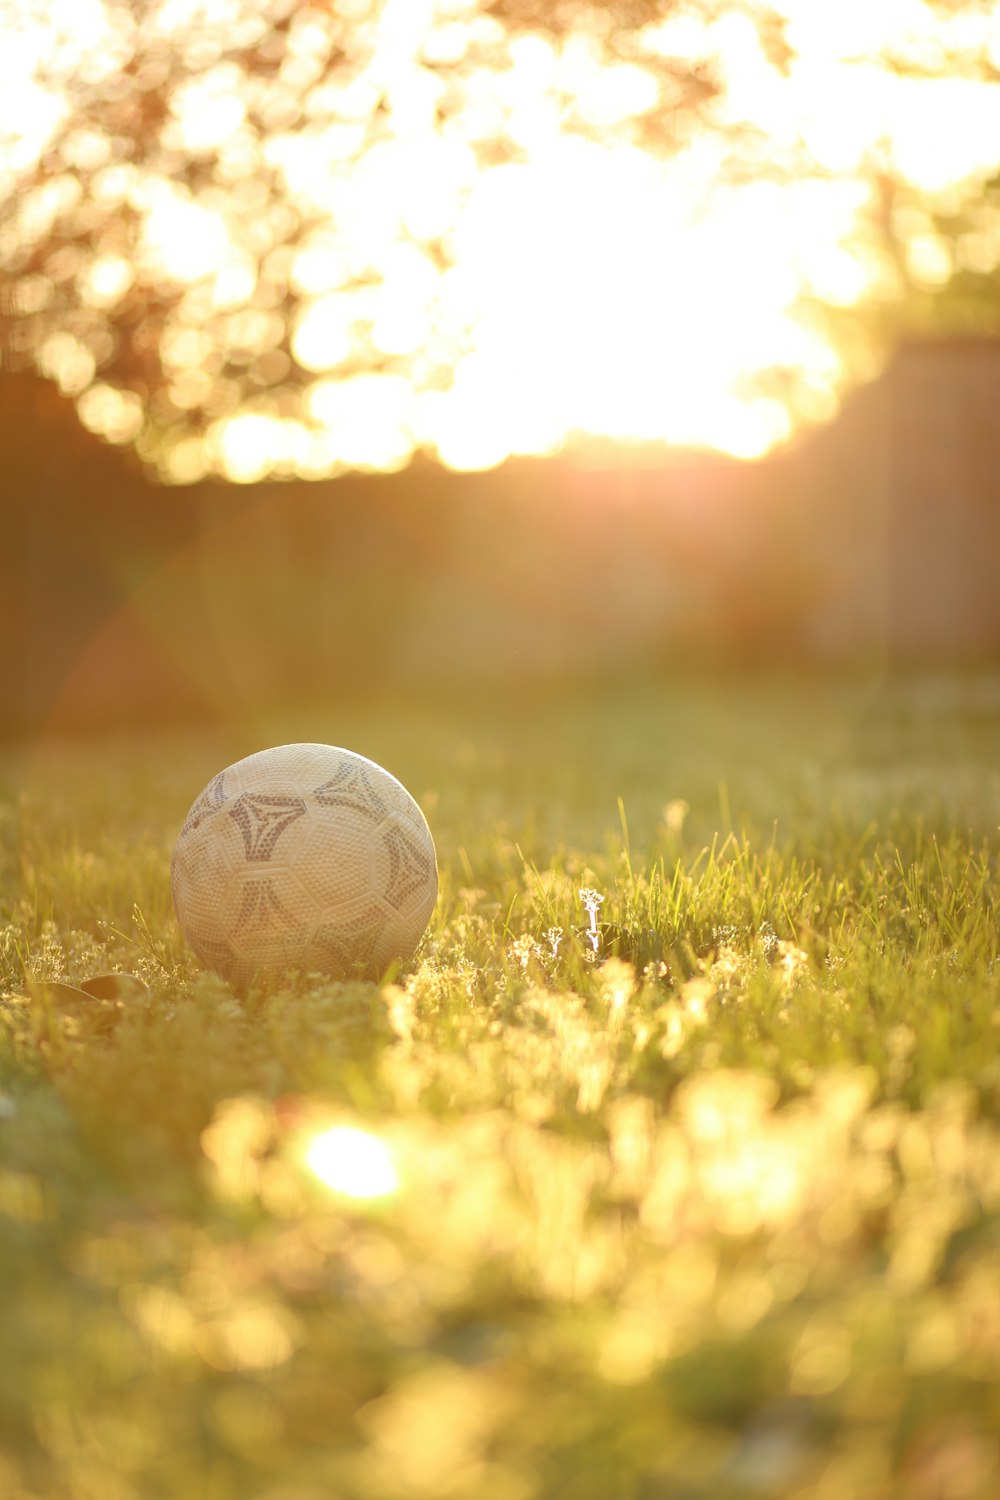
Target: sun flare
[(446, 298)]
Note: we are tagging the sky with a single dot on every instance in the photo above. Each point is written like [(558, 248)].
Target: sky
[(582, 290)]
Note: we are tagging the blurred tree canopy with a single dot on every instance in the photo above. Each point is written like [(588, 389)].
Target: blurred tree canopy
[(215, 207)]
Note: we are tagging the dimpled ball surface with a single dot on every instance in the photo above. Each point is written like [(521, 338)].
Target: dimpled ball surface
[(304, 856)]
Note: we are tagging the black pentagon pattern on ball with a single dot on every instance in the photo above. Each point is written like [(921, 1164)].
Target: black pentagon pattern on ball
[(352, 787), (262, 819), (409, 866), (211, 799), (268, 897), (348, 947), (261, 908)]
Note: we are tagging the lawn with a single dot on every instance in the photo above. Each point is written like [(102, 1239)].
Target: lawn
[(694, 1198)]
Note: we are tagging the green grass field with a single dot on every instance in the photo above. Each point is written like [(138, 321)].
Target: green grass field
[(711, 1212)]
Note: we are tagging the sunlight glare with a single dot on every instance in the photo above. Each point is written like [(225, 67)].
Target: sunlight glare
[(249, 445), (234, 282), (116, 415), (946, 130), (353, 1162), (319, 265), (322, 337), (564, 342), (366, 417), (106, 280), (67, 361), (182, 241), (851, 27), (477, 302)]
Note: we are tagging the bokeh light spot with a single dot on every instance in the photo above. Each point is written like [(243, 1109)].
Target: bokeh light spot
[(353, 1162)]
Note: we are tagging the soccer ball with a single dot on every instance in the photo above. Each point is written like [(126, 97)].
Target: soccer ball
[(304, 856)]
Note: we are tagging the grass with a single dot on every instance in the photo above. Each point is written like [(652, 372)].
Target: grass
[(711, 1212)]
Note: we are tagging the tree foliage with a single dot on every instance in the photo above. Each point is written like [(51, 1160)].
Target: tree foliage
[(212, 168)]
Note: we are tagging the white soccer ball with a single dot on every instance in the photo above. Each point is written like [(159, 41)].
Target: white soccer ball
[(304, 856)]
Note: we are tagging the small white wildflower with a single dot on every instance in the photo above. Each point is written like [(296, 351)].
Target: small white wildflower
[(769, 942), (522, 950), (592, 901)]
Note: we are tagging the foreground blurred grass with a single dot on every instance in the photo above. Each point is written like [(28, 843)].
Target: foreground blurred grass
[(714, 1212)]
